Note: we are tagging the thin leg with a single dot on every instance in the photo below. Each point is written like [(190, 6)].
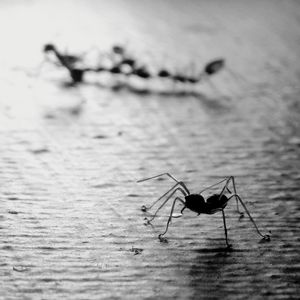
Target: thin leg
[(266, 237), (170, 218), (161, 206), (224, 222), (213, 185), (237, 202), (167, 174), (145, 208), (231, 178)]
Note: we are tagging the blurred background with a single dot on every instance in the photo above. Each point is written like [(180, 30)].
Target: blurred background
[(70, 220)]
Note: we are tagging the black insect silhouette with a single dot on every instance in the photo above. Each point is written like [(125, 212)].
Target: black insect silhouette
[(197, 203)]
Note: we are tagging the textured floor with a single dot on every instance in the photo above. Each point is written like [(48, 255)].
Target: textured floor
[(70, 220)]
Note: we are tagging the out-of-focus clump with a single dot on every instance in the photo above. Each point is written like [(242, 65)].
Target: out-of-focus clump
[(123, 63)]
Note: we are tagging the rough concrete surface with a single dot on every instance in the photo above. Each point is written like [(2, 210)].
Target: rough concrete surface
[(70, 220)]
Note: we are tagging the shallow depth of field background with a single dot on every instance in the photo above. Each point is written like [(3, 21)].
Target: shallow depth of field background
[(70, 220)]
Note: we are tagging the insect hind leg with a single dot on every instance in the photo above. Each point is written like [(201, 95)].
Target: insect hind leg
[(266, 236), (225, 229)]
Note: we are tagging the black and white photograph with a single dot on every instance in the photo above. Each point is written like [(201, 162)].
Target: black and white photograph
[(149, 149)]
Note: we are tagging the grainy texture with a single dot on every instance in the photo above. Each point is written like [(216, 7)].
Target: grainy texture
[(70, 216)]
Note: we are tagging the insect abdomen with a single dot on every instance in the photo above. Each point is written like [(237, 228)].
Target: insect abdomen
[(215, 203)]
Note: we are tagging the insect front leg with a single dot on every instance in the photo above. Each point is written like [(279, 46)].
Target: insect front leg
[(160, 236), (146, 208), (163, 204)]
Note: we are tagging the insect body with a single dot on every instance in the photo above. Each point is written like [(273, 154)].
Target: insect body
[(213, 204), (197, 203)]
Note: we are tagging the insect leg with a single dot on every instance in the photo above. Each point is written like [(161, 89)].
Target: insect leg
[(167, 174), (265, 237), (161, 206), (225, 229), (170, 217), (231, 178), (213, 185), (145, 208)]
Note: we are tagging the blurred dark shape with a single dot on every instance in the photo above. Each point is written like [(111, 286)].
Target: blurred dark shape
[(117, 49), (77, 74), (123, 63), (40, 151), (180, 78), (192, 80), (49, 47), (136, 251), (163, 73), (100, 136), (115, 70), (214, 66), (128, 61), (66, 60), (142, 72)]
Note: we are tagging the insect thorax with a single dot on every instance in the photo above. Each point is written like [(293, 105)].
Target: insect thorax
[(195, 202)]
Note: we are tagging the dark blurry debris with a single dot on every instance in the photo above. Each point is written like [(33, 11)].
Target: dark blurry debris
[(214, 66), (142, 72), (12, 212), (133, 195), (128, 61), (20, 269), (118, 49), (64, 59), (69, 62), (163, 73), (197, 203), (49, 116), (136, 251), (100, 136), (103, 186), (125, 64), (76, 110), (40, 151), (77, 74), (13, 198)]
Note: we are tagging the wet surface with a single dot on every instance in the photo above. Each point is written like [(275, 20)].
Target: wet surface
[(70, 220)]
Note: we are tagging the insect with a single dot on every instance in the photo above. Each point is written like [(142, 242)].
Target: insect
[(197, 203)]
